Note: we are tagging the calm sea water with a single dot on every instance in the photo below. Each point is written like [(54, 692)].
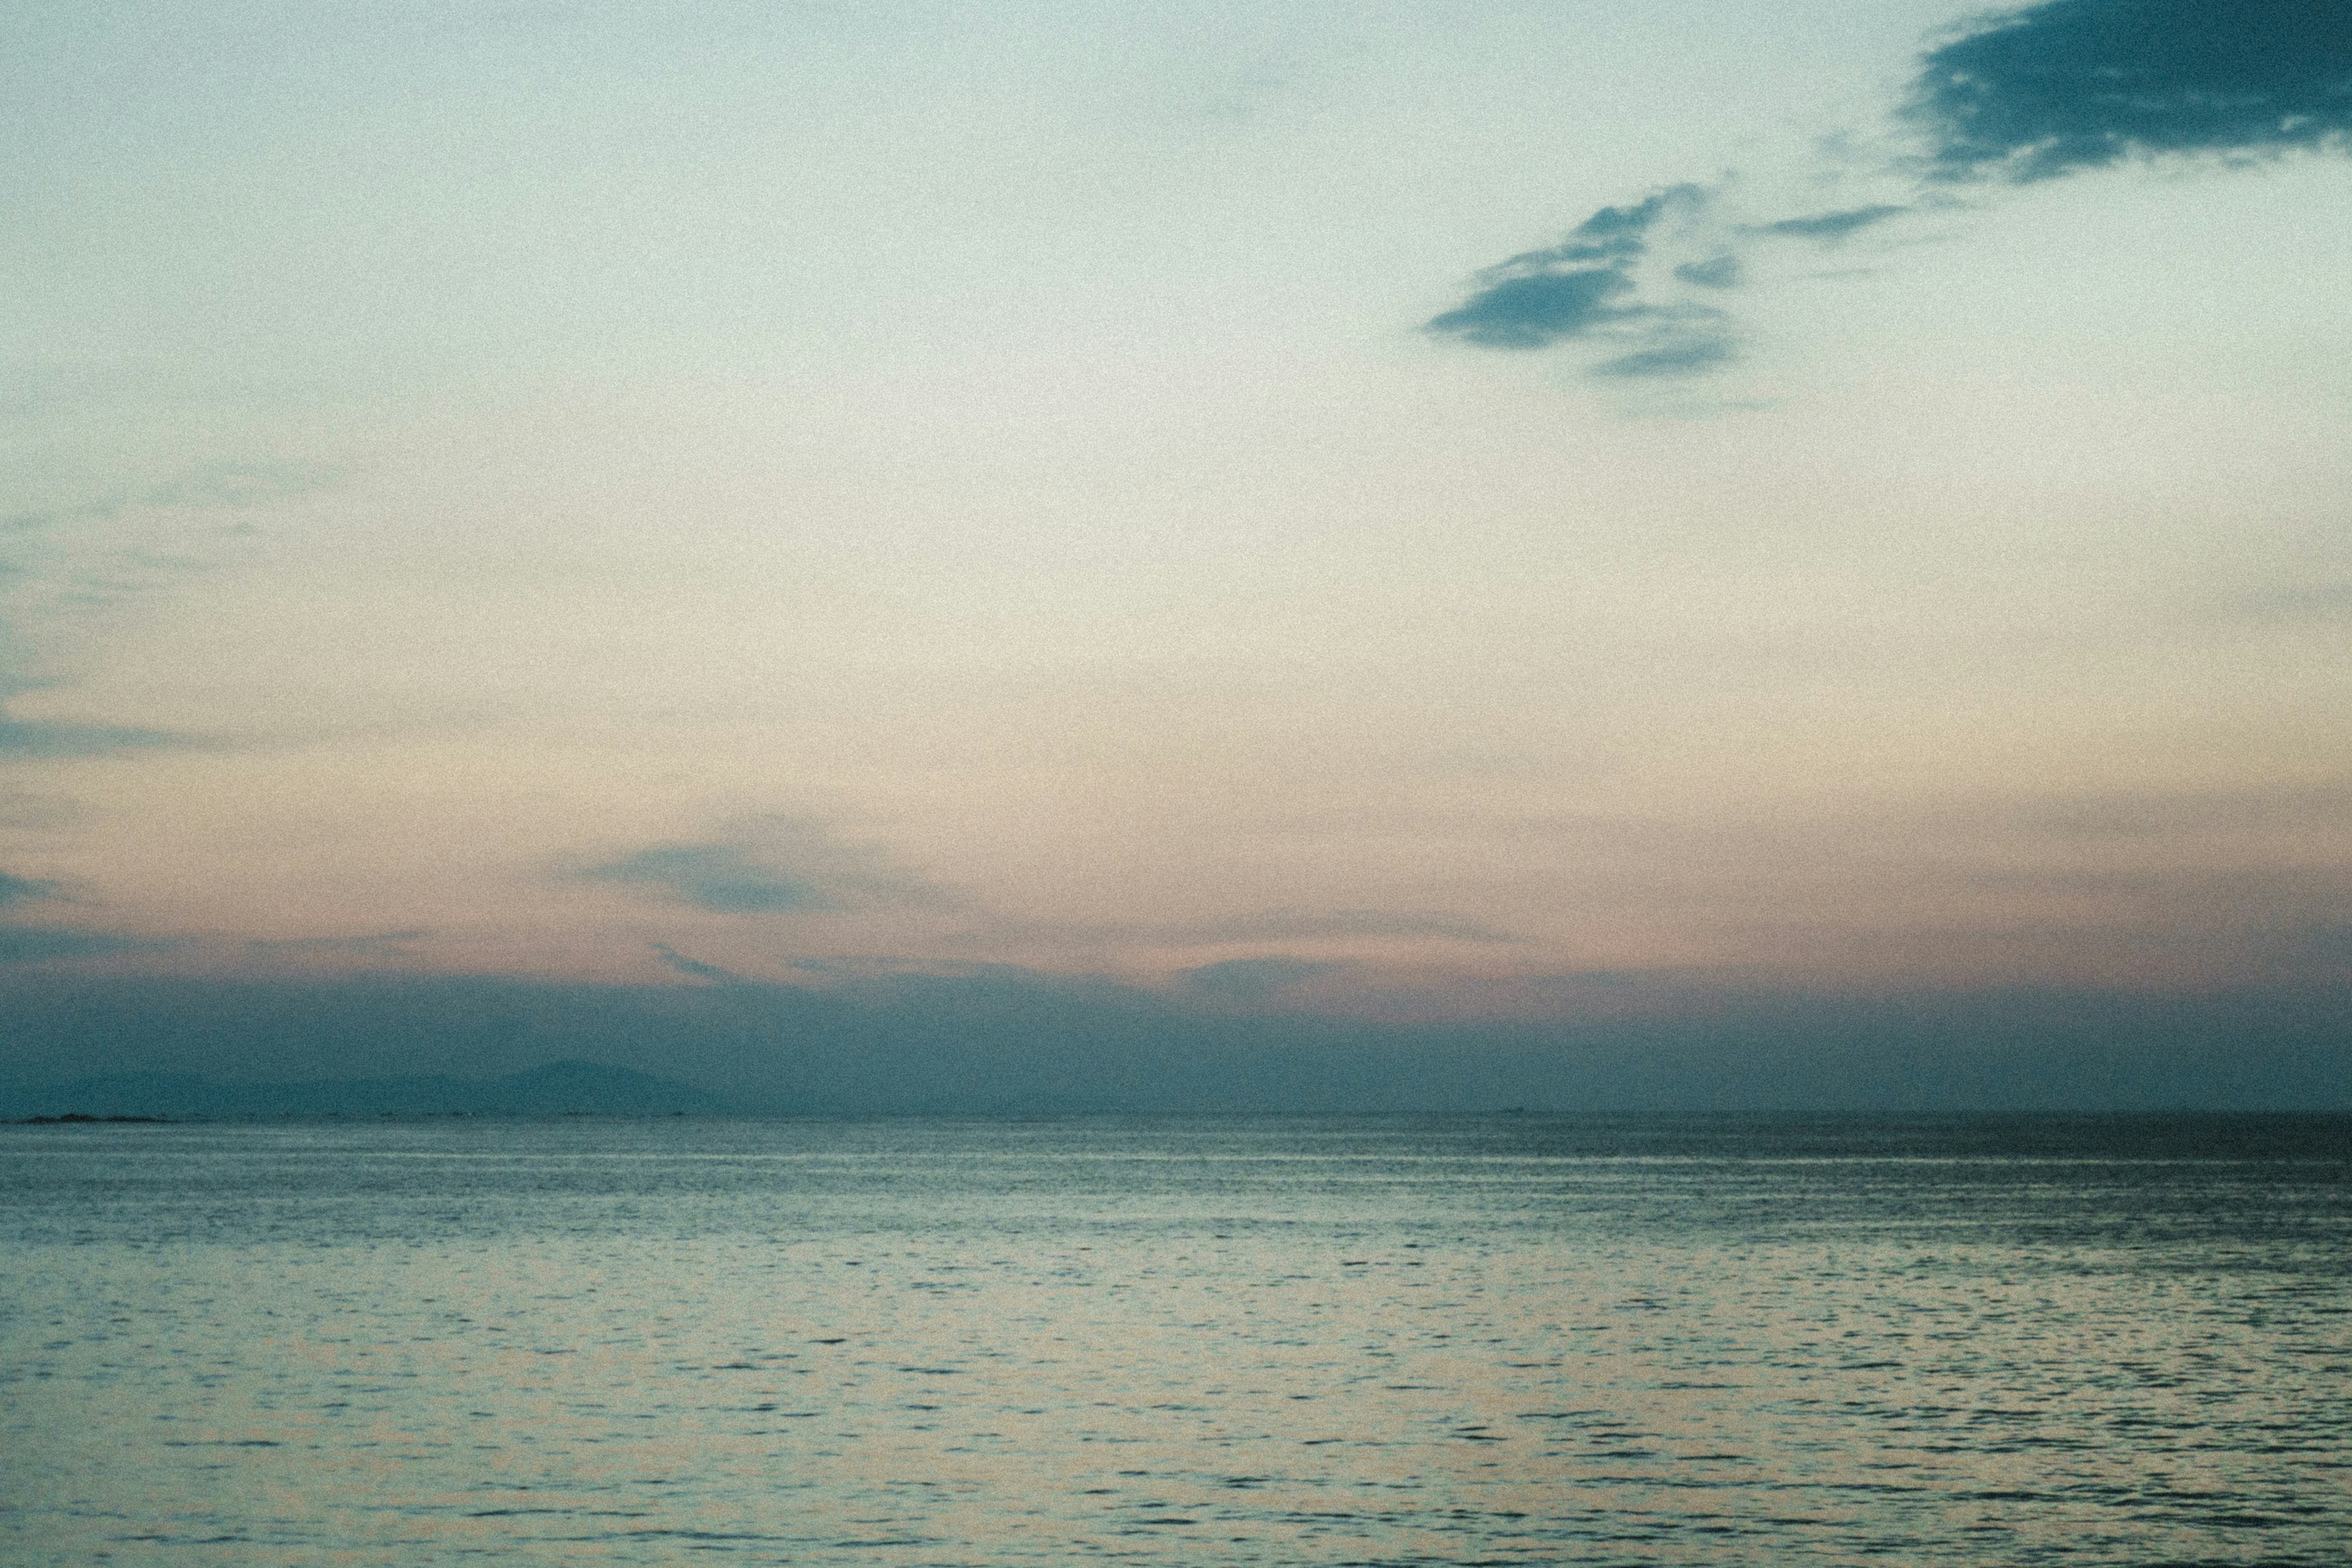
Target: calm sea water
[(1249, 1341)]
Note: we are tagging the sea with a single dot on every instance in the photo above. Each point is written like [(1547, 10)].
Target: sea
[(1479, 1341)]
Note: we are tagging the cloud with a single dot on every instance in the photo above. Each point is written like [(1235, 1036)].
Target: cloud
[(1621, 282), (1589, 287), (41, 738), (1631, 282), (24, 889), (1683, 358), (43, 944), (1271, 925), (64, 567), (772, 866), (2082, 84), (1830, 227), (206, 486), (2019, 96), (1716, 272), (1611, 234), (696, 967), (1532, 311), (718, 878)]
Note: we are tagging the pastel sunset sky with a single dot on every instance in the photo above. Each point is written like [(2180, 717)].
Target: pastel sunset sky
[(1388, 511)]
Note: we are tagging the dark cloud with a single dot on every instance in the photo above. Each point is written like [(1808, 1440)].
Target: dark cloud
[(1831, 226), (1534, 312), (24, 889), (2080, 84), (1610, 234), (2019, 96), (1590, 286), (718, 878), (1587, 287)]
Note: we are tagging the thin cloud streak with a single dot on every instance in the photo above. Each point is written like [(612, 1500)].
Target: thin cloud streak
[(1832, 225), (1274, 925), (695, 968), (17, 889), (64, 567), (717, 878), (772, 866), (49, 740), (51, 945)]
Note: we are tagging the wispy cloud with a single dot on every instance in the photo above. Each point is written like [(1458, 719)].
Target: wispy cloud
[(1685, 356), (24, 889), (1716, 272), (205, 486), (1832, 225), (695, 968), (2019, 96), (1261, 926), (719, 877), (772, 866), (45, 944), (39, 737), (67, 566), (1589, 287)]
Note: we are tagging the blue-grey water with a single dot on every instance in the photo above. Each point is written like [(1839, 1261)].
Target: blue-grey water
[(1507, 1340)]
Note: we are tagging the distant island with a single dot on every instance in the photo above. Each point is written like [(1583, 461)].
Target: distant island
[(78, 1116)]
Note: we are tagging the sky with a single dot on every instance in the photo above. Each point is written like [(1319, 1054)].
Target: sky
[(1512, 515)]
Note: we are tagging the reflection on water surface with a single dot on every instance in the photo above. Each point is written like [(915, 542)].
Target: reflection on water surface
[(1508, 1341)]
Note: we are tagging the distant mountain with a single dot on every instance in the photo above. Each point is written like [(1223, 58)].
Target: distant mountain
[(998, 1042), (558, 1089)]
